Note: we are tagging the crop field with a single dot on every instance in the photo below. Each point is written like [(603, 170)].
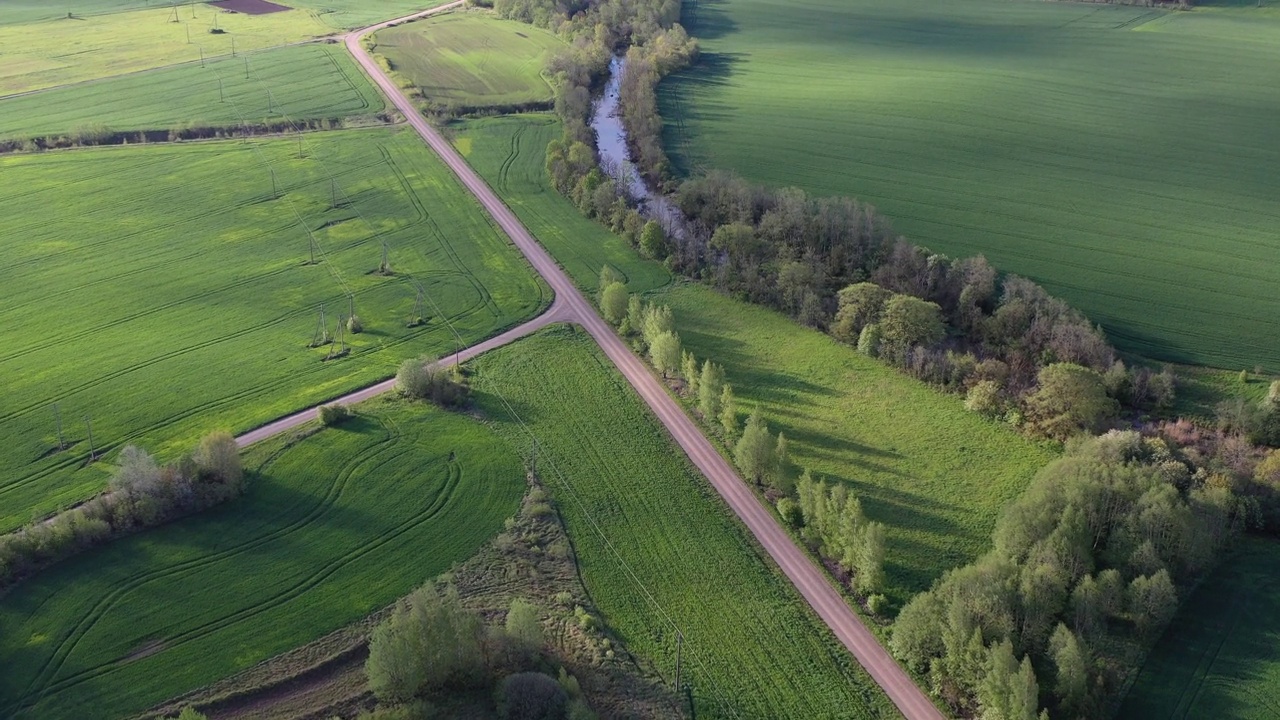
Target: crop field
[(58, 52), (650, 533), (1220, 657), (292, 83), (161, 292), (936, 475), (332, 527), (337, 14), (510, 153), (1122, 156), (472, 60)]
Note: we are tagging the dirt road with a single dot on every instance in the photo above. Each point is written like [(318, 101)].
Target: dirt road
[(571, 306)]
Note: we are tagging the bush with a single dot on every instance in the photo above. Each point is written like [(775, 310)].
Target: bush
[(354, 326), (531, 696), (877, 604), (424, 379), (790, 512), (335, 414)]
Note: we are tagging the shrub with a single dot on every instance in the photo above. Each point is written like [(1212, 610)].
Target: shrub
[(335, 414), (877, 604), (424, 379), (790, 512), (531, 696), (354, 326)]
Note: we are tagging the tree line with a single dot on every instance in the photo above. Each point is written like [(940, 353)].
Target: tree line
[(141, 494), (1087, 568)]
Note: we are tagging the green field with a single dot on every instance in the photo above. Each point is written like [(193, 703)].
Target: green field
[(1220, 657), (337, 14), (510, 154), (1122, 156), (935, 474), (162, 292), (472, 60), (332, 528), (59, 52), (293, 83), (751, 649)]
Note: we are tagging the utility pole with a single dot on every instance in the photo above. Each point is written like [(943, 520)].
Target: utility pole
[(221, 97), (188, 27), (679, 650), (300, 145), (333, 187), (93, 454), (202, 57), (57, 418), (246, 77), (275, 195), (233, 46), (246, 72)]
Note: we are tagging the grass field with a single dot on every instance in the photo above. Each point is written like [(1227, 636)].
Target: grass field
[(338, 14), (59, 52), (1220, 658), (936, 475), (332, 528), (162, 292), (750, 648), (1122, 156), (510, 154), (294, 83), (472, 60)]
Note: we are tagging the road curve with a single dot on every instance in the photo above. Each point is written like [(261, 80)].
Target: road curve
[(807, 577)]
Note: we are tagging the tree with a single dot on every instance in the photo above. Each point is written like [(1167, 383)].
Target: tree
[(532, 696), (428, 641), (754, 451), (608, 276), (635, 313), (1070, 399), (689, 369), (1152, 602), (657, 320), (423, 378), (871, 558), (190, 713), (909, 321), (523, 627), (613, 303), (781, 473), (869, 340), (859, 306), (218, 457), (728, 412), (1009, 691), (710, 387), (985, 398), (1071, 667), (653, 241), (664, 351)]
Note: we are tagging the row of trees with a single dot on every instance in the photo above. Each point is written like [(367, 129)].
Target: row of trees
[(431, 644), (832, 521), (98, 134), (142, 493), (1086, 567)]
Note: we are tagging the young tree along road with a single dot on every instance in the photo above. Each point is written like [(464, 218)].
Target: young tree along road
[(571, 306)]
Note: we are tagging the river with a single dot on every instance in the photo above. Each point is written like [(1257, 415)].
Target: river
[(615, 157)]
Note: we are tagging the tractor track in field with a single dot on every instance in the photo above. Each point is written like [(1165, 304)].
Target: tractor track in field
[(571, 306)]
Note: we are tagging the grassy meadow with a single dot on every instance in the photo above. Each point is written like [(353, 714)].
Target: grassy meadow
[(935, 474), (1220, 657), (294, 83), (1122, 156), (45, 54), (751, 647), (337, 14), (510, 153), (162, 292), (332, 528), (472, 60)]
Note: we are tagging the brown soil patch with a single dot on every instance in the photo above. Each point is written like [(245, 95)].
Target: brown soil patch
[(147, 648), (249, 7)]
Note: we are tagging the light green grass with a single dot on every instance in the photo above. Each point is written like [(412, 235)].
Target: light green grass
[(332, 528), (936, 475), (164, 293), (294, 83), (337, 14), (59, 52), (1122, 156), (751, 650), (1220, 657), (472, 60), (510, 154)]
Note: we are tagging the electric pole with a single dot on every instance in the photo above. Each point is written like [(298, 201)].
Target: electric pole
[(679, 650), (93, 454), (57, 418)]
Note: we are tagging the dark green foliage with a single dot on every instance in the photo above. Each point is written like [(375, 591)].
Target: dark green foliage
[(335, 414), (531, 696), (425, 378)]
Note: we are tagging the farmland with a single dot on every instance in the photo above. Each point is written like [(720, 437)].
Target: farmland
[(510, 154), (336, 14), (472, 61), (1218, 658), (146, 293), (1121, 156), (58, 52), (750, 647), (333, 527), (293, 83)]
